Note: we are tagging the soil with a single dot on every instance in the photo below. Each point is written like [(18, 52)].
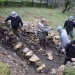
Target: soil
[(20, 65)]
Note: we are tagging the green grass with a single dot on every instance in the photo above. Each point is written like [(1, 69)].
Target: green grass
[(4, 69), (54, 17)]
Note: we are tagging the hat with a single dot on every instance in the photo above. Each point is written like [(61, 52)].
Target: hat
[(59, 28), (73, 42), (72, 17), (13, 14)]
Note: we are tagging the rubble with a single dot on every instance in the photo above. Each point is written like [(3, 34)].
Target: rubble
[(18, 45), (60, 70), (50, 56), (25, 50), (27, 45), (34, 58), (53, 71), (57, 37), (29, 53), (40, 68), (57, 42)]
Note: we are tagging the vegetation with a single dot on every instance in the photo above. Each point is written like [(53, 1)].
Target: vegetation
[(68, 5), (69, 69), (32, 3), (20, 3), (4, 69), (33, 15)]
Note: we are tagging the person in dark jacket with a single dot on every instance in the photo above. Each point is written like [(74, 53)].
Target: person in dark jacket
[(69, 24), (42, 32), (70, 52), (15, 21)]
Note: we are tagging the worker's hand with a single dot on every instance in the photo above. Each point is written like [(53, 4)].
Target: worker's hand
[(63, 50), (50, 27), (3, 22), (73, 59), (22, 28), (68, 62)]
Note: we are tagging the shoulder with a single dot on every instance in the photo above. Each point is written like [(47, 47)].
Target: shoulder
[(9, 16), (18, 17), (64, 32), (67, 20), (68, 45)]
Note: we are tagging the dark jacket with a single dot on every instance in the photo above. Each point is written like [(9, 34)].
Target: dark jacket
[(70, 50), (69, 25), (15, 22)]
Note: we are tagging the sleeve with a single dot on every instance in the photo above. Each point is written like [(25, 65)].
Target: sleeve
[(21, 22), (63, 42), (8, 18), (74, 24), (65, 24), (67, 47), (44, 29)]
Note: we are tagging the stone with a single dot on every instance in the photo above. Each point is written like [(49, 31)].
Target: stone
[(60, 70), (52, 34), (38, 63), (56, 41), (34, 58), (57, 37), (50, 56), (29, 54), (10, 33), (18, 45), (25, 50), (53, 71), (41, 49), (40, 68), (5, 28), (32, 47)]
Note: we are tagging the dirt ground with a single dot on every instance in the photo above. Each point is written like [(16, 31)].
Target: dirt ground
[(22, 66), (55, 63)]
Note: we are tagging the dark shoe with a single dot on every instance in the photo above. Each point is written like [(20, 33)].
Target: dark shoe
[(59, 52)]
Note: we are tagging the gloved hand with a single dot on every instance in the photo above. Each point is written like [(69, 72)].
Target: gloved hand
[(50, 27), (22, 28), (3, 22), (73, 59), (63, 50)]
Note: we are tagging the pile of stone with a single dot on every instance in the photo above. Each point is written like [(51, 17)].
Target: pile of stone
[(34, 59)]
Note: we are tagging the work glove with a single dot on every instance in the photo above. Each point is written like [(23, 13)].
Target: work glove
[(73, 59), (3, 22)]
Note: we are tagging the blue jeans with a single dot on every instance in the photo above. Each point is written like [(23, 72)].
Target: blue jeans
[(70, 33)]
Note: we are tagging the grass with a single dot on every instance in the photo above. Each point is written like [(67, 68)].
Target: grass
[(54, 17), (4, 69)]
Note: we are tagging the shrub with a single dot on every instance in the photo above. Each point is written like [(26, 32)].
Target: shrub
[(4, 69), (69, 69)]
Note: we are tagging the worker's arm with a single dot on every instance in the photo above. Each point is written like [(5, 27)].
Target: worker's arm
[(8, 18)]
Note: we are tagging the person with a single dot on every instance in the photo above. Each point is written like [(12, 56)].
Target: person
[(15, 22), (63, 38), (69, 25), (42, 32), (70, 52)]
